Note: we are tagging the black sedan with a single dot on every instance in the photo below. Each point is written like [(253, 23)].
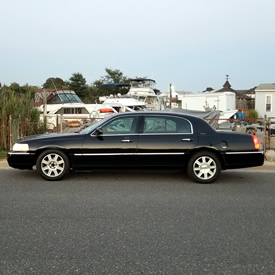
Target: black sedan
[(140, 140)]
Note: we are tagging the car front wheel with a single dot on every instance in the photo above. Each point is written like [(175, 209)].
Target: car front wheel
[(204, 167), (52, 165)]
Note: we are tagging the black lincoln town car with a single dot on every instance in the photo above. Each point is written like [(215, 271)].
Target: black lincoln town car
[(140, 140)]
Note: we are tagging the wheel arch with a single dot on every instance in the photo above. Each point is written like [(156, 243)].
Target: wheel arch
[(63, 150), (208, 149)]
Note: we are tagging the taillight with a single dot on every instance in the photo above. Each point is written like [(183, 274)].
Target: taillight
[(256, 142)]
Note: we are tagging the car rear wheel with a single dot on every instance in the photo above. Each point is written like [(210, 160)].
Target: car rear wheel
[(204, 167), (52, 165)]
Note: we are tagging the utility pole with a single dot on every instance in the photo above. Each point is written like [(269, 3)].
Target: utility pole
[(170, 100), (45, 106)]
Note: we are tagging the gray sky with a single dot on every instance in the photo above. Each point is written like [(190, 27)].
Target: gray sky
[(190, 44)]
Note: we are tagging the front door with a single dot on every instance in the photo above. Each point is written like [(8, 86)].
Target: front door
[(115, 146)]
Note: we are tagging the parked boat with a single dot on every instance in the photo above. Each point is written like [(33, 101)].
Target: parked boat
[(123, 103), (225, 102), (143, 90), (64, 105), (211, 116)]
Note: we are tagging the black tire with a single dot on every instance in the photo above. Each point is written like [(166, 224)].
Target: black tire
[(53, 164), (204, 167)]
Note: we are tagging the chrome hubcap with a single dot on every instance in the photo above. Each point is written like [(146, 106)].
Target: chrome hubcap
[(52, 165), (205, 168)]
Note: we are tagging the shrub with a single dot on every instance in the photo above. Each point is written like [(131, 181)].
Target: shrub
[(18, 105), (253, 115)]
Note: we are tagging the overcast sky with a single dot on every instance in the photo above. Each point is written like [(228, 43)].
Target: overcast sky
[(192, 44)]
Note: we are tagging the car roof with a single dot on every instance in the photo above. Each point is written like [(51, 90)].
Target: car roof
[(203, 126), (165, 113)]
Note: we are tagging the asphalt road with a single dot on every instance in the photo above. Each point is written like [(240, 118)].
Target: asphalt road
[(137, 223)]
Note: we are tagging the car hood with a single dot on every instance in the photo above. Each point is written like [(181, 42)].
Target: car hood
[(48, 136)]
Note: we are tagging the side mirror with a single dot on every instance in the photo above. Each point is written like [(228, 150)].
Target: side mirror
[(98, 132)]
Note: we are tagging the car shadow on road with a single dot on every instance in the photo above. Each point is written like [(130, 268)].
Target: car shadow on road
[(238, 176)]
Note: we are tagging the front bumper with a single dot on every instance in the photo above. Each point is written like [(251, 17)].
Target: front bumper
[(21, 160)]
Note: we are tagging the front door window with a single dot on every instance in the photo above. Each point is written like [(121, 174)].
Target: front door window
[(126, 125)]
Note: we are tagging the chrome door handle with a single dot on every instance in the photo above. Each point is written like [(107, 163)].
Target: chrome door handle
[(126, 141), (186, 139)]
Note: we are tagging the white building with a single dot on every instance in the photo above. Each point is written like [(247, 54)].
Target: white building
[(265, 100)]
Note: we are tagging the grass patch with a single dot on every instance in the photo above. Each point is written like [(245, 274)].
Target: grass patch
[(3, 154)]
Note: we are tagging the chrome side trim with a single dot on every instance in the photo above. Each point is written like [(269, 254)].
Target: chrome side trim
[(243, 153), (19, 153), (152, 154), (105, 154), (116, 135), (162, 134), (143, 134), (127, 154)]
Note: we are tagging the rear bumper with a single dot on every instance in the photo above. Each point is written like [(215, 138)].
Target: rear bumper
[(21, 160), (243, 159)]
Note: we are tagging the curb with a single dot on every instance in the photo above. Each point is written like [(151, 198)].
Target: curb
[(4, 163)]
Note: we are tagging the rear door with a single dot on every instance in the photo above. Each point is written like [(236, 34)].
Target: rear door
[(164, 140)]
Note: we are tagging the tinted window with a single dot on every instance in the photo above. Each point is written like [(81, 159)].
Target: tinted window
[(125, 125), (166, 125)]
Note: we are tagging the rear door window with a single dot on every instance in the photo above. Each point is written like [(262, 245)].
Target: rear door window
[(162, 124)]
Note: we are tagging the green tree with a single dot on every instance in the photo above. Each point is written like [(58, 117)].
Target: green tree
[(112, 76), (54, 83), (78, 83), (92, 95), (15, 87)]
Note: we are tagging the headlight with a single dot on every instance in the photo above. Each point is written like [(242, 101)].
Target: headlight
[(22, 147)]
